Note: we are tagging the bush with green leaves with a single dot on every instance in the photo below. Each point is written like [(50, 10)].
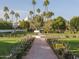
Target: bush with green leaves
[(74, 23), (5, 25), (59, 24), (24, 24)]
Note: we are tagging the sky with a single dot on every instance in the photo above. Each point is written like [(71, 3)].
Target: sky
[(64, 8)]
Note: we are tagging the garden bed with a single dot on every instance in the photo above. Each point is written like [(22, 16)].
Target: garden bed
[(71, 47), (6, 44), (14, 47)]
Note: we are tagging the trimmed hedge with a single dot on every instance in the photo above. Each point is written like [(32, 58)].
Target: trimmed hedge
[(5, 25)]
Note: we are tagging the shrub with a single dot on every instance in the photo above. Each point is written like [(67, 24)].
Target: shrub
[(74, 36), (67, 36), (5, 25)]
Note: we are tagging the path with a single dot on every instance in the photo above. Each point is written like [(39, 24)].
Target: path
[(40, 50)]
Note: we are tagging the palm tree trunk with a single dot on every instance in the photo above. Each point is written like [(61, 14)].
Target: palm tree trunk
[(58, 29), (16, 19), (12, 18), (46, 8), (6, 19), (34, 9)]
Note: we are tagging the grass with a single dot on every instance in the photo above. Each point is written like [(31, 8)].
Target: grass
[(73, 44), (7, 43)]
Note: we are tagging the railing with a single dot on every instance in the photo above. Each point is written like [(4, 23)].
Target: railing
[(12, 30)]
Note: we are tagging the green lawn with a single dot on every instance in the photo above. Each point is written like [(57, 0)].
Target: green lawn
[(73, 44), (7, 43)]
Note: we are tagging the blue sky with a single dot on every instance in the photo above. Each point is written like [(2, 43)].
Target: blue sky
[(65, 8)]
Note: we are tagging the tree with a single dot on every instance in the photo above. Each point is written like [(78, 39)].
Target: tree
[(6, 16), (74, 23), (24, 24), (1, 19), (17, 16), (31, 14), (49, 14), (46, 3), (68, 27), (6, 9), (59, 24), (37, 22), (38, 11), (34, 3), (44, 16), (12, 13), (48, 26), (5, 25)]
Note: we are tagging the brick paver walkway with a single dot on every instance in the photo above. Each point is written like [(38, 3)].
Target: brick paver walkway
[(40, 50)]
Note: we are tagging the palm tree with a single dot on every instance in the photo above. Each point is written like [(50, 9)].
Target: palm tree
[(34, 3), (1, 19), (6, 16), (49, 14), (12, 13), (17, 16), (46, 3), (6, 9), (15, 25), (38, 11), (31, 13)]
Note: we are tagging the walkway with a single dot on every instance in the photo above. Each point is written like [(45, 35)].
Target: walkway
[(40, 50)]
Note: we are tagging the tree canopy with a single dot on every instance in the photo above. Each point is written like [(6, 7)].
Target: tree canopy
[(74, 22), (59, 24)]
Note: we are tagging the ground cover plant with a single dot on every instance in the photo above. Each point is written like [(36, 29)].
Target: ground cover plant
[(7, 43), (14, 47), (71, 47), (73, 44)]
